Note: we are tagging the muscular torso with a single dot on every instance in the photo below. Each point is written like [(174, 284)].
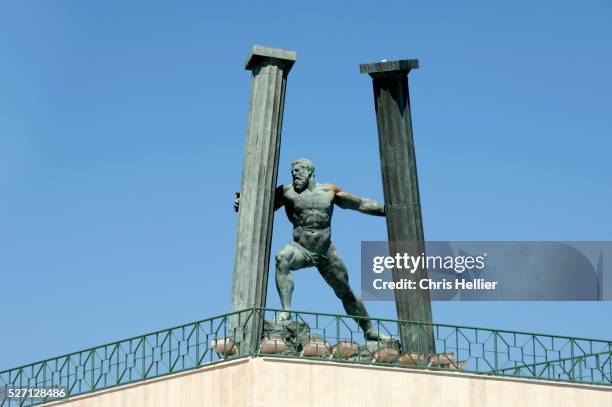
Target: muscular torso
[(310, 212)]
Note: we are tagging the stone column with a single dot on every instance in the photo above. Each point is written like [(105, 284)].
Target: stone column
[(269, 67), (401, 191)]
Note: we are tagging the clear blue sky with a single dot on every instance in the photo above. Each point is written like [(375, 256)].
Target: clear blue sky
[(121, 138)]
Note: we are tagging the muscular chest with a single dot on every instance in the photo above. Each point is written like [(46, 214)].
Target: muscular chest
[(319, 201)]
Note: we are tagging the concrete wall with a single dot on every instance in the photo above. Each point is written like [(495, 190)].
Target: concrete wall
[(284, 382)]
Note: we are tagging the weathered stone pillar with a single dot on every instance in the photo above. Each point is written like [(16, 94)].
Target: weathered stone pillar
[(269, 67), (401, 190)]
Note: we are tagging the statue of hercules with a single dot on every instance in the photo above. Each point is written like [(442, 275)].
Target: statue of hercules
[(309, 206)]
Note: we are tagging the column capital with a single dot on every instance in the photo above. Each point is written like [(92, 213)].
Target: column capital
[(260, 54), (384, 67)]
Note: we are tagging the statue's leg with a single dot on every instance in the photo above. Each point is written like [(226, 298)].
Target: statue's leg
[(335, 274), (287, 259)]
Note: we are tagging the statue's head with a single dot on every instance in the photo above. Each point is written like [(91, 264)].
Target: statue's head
[(302, 171)]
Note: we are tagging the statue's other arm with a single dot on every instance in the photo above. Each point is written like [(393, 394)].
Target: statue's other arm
[(347, 200), (279, 199)]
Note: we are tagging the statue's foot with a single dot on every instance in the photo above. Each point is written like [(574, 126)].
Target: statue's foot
[(372, 334), (283, 316)]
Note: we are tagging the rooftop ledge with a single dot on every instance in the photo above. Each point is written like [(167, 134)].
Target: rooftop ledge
[(332, 338)]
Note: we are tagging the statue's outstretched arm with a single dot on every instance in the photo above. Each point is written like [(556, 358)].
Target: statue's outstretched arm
[(349, 201), (279, 197)]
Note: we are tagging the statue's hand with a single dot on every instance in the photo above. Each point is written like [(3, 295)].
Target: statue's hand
[(237, 201)]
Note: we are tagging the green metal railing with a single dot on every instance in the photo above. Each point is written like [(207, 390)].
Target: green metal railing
[(318, 336)]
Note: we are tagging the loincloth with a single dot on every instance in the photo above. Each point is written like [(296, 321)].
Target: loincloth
[(312, 259)]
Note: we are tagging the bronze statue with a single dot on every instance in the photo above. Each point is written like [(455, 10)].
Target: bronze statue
[(309, 206)]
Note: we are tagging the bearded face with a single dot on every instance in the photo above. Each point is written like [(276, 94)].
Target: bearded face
[(301, 176)]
